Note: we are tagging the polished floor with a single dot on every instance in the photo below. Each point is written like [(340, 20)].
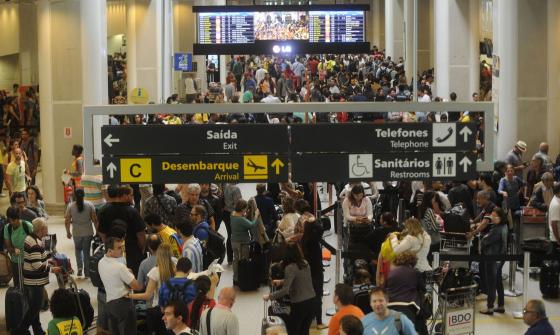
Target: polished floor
[(249, 305)]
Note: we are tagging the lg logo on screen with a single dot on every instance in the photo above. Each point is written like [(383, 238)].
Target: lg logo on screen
[(285, 49)]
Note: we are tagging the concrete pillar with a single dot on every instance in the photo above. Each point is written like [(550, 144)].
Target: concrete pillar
[(456, 39), (505, 84), (94, 62), (149, 62), (375, 24), (553, 55), (409, 35), (28, 55), (72, 72), (425, 35), (394, 28)]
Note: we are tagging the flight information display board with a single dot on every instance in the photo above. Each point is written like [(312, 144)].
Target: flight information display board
[(324, 26), (226, 28), (329, 26)]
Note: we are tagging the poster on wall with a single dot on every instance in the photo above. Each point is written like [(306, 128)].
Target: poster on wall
[(183, 62)]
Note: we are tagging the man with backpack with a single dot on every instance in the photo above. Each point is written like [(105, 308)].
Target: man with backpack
[(383, 320), (15, 233), (178, 288)]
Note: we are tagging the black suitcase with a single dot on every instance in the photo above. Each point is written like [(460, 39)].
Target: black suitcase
[(549, 279), (95, 243), (15, 303), (249, 270), (249, 275)]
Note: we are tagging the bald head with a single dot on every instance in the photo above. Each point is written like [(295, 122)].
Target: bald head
[(543, 147), (226, 296)]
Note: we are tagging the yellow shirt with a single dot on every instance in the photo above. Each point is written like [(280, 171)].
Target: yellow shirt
[(173, 120), (200, 117), (166, 235)]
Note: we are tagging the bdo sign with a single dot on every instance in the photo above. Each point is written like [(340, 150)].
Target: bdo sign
[(460, 322)]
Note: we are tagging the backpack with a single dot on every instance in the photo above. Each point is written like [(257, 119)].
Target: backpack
[(185, 292), (213, 248), (94, 266)]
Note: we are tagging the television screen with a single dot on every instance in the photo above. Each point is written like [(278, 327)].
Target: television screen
[(281, 26), (226, 28), (336, 26)]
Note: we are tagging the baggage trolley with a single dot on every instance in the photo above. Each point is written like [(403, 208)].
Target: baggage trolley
[(456, 311), (455, 244)]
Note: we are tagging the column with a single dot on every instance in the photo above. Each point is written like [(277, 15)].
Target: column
[(94, 62), (394, 28), (149, 62), (72, 72), (376, 25), (28, 55), (505, 83), (409, 35), (425, 35), (456, 31), (553, 117)]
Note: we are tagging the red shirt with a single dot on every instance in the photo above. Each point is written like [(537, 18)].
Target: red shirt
[(208, 303)]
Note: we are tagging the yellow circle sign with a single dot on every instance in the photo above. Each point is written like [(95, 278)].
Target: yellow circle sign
[(139, 96)]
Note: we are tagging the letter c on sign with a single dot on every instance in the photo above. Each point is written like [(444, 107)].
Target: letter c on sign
[(135, 175)]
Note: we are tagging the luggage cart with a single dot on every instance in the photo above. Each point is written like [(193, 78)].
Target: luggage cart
[(455, 244), (455, 313)]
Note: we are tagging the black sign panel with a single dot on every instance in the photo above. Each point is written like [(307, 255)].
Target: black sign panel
[(200, 169), (380, 138), (194, 139), (383, 167)]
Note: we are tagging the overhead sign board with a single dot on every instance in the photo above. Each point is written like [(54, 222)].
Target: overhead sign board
[(200, 169), (381, 138), (194, 139), (383, 167)]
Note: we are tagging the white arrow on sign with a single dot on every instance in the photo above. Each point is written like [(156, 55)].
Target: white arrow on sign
[(465, 132), (465, 162), (109, 140), (112, 168)]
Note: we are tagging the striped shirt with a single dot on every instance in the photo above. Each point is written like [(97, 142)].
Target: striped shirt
[(192, 249), (93, 186), (35, 267)]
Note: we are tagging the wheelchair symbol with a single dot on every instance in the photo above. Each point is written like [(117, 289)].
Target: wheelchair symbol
[(359, 169)]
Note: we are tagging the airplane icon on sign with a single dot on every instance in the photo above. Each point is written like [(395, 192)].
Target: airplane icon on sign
[(255, 166)]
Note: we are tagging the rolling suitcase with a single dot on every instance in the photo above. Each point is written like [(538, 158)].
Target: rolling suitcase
[(269, 321), (549, 279), (249, 270), (15, 303)]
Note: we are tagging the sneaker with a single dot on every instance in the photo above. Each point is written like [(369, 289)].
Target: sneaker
[(322, 326), (487, 312), (79, 272), (500, 310)]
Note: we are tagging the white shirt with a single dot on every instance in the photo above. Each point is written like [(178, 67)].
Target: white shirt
[(554, 215), (417, 245), (115, 277)]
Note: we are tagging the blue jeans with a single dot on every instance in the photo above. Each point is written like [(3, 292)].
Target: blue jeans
[(82, 244)]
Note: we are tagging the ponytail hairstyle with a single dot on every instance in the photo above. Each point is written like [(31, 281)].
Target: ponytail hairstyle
[(79, 194), (203, 285)]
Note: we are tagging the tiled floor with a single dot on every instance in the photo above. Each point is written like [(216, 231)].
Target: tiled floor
[(249, 305)]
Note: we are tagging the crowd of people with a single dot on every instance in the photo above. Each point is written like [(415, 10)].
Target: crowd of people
[(117, 70), (158, 243), (19, 108)]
